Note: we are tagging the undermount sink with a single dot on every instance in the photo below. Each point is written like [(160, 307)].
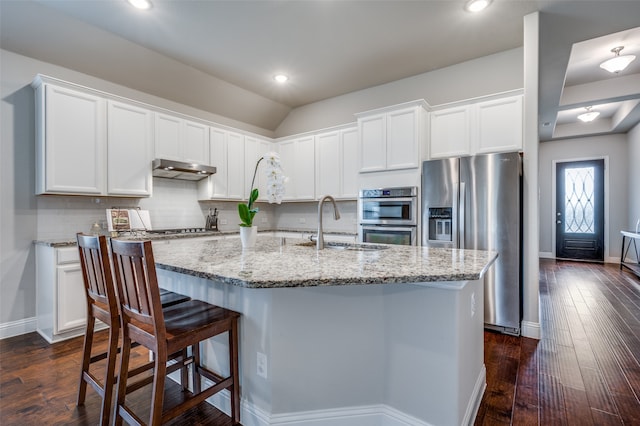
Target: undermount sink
[(346, 246)]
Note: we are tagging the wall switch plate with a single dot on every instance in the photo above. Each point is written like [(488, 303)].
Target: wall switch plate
[(262, 365), (223, 221), (473, 304)]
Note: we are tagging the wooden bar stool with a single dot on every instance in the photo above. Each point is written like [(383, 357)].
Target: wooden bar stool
[(165, 332), (102, 304)]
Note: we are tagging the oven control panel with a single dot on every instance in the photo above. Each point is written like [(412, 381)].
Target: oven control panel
[(410, 191)]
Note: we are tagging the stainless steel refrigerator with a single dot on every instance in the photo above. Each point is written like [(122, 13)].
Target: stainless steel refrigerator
[(476, 203)]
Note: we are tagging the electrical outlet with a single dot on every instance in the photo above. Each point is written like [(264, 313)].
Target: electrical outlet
[(473, 304), (223, 221), (264, 220), (302, 220), (262, 365)]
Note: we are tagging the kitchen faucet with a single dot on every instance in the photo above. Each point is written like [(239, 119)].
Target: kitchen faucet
[(336, 216)]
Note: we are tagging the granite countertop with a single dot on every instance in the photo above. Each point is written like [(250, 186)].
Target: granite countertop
[(139, 236), (296, 263)]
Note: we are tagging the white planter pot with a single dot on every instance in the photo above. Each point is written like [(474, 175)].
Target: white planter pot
[(248, 236)]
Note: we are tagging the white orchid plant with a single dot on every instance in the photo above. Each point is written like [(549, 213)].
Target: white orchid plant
[(275, 188)]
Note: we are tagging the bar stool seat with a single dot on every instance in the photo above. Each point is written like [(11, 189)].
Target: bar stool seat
[(166, 331), (102, 304)]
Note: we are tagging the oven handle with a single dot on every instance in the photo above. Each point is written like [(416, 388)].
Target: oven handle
[(388, 228), (413, 199)]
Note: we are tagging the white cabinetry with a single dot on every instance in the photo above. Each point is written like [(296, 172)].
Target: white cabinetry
[(298, 164), (499, 126), (392, 138), (337, 163), (227, 155), (61, 307), (450, 132), (88, 143), (483, 126), (129, 150), (254, 149), (70, 141), (181, 140)]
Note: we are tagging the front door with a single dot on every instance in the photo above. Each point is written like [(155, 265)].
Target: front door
[(580, 210)]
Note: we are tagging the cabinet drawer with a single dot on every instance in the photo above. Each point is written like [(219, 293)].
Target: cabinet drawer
[(67, 255)]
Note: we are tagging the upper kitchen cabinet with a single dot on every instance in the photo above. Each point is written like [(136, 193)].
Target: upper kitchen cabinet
[(71, 140), (90, 143), (298, 164), (181, 140), (450, 132), (392, 138), (337, 163), (129, 150), (228, 156), (254, 149), (477, 127)]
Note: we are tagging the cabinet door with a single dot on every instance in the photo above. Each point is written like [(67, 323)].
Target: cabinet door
[(72, 146), (328, 161), (450, 135), (288, 160), (167, 137), (305, 168), (129, 150), (349, 147), (235, 166), (71, 306), (251, 157), (218, 158), (499, 125), (195, 143), (403, 139), (264, 147), (373, 150)]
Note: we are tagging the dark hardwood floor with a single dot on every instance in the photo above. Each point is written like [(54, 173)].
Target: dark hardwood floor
[(584, 371)]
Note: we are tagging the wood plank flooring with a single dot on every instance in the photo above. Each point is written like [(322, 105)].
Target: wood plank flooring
[(584, 371)]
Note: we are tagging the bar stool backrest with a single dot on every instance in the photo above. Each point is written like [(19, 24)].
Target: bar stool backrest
[(137, 285), (98, 280)]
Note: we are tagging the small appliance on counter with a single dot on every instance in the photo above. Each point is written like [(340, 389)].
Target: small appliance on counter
[(212, 220)]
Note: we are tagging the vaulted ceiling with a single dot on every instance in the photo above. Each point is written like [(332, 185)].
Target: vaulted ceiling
[(329, 48)]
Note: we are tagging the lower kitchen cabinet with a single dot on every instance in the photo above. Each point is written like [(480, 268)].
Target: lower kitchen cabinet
[(61, 307)]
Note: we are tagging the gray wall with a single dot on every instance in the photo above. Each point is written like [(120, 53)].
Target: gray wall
[(634, 176), (615, 147), (479, 77)]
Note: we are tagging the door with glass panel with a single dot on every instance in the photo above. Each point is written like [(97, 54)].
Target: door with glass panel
[(580, 210)]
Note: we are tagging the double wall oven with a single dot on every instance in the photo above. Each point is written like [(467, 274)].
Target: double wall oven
[(388, 215)]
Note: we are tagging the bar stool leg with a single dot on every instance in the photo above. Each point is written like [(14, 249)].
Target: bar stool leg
[(86, 360), (233, 354)]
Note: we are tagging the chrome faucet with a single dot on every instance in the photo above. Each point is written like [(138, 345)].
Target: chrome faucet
[(336, 216)]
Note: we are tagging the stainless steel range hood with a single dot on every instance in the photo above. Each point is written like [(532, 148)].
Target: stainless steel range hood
[(180, 170)]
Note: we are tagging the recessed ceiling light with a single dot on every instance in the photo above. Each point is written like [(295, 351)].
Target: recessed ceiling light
[(617, 63), (477, 5), (140, 4), (589, 115), (281, 78)]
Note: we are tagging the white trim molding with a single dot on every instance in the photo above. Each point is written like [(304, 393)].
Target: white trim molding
[(16, 328), (530, 329)]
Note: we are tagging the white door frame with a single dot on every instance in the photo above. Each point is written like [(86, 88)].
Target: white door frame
[(606, 202)]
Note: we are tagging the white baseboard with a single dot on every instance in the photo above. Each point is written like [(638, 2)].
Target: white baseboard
[(530, 329), (476, 398), (16, 328), (545, 255)]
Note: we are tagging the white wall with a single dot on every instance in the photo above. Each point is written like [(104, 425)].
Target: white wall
[(614, 147), (633, 158), (488, 75)]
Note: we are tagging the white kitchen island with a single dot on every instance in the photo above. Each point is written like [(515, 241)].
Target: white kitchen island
[(342, 337)]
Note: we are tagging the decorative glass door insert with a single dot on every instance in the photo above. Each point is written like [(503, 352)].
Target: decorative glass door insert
[(579, 200)]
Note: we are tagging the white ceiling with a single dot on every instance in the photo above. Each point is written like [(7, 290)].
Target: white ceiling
[(335, 47)]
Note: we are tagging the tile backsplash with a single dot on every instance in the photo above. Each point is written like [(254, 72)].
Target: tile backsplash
[(175, 205)]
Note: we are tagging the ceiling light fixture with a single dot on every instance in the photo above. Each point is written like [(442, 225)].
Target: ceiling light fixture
[(477, 5), (281, 78), (617, 63), (589, 115), (140, 4)]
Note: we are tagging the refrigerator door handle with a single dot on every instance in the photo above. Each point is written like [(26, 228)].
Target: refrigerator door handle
[(461, 215)]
